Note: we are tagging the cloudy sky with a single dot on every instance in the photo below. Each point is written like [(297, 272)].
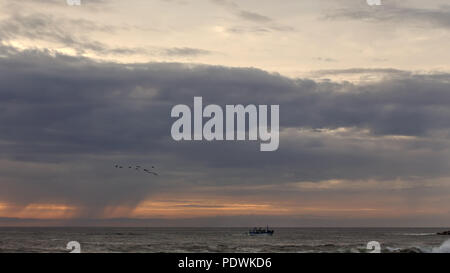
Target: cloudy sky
[(364, 95)]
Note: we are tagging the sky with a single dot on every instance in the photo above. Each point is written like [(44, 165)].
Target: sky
[(364, 95)]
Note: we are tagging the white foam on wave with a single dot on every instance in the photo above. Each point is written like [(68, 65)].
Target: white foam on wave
[(444, 248), (393, 249), (418, 234)]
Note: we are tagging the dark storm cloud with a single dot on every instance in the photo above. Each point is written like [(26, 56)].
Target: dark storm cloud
[(65, 121), (392, 13)]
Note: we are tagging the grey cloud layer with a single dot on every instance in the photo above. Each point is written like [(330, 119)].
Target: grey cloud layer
[(72, 33), (75, 118), (243, 14), (393, 13), (259, 23)]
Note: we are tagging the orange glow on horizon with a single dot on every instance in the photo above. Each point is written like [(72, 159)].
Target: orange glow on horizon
[(197, 208), (38, 211)]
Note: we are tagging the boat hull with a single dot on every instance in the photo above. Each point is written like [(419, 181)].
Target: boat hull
[(270, 233)]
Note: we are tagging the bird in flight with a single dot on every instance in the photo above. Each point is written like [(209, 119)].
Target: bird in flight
[(138, 168), (150, 172)]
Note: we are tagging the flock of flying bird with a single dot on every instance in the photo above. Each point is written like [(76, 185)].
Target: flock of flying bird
[(138, 168)]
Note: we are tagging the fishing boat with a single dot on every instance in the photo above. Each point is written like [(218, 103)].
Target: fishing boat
[(260, 231)]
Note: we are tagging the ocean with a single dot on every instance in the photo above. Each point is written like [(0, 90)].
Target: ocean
[(216, 240)]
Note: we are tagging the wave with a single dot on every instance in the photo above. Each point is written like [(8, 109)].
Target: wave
[(419, 234), (443, 248)]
